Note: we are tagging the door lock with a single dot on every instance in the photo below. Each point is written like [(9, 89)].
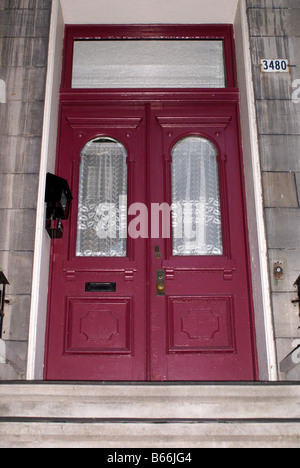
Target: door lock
[(157, 252), (160, 282)]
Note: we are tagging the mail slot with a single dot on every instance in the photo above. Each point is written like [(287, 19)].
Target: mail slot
[(100, 287)]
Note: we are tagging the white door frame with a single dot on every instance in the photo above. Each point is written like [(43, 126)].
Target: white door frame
[(139, 12)]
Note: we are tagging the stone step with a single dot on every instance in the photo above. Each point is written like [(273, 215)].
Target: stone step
[(150, 401), (151, 415), (175, 435)]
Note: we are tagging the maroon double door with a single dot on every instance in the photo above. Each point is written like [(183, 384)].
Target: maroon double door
[(198, 326)]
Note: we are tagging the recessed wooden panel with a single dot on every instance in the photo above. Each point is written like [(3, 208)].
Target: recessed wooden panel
[(200, 324), (98, 325)]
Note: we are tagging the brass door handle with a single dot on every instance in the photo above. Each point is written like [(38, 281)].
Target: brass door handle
[(160, 282)]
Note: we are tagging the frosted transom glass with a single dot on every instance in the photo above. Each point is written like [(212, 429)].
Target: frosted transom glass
[(196, 212), (149, 64), (102, 201)]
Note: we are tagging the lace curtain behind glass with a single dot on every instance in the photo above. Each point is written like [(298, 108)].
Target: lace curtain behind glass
[(102, 203), (196, 213)]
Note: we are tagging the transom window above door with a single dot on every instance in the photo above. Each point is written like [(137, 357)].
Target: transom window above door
[(148, 64), (149, 57)]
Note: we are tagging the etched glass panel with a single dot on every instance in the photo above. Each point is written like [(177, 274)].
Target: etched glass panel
[(149, 64), (196, 211), (102, 201)]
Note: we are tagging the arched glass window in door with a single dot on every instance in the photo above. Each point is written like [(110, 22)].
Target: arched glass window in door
[(102, 200), (196, 210)]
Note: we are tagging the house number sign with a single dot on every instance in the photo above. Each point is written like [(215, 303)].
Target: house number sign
[(274, 66)]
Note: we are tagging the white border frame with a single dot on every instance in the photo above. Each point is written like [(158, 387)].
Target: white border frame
[(265, 336), (80, 12), (40, 278)]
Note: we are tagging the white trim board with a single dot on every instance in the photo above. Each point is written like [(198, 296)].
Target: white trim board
[(145, 11), (40, 278), (265, 336)]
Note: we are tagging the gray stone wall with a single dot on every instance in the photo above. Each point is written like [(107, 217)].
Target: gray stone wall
[(275, 33), (24, 29)]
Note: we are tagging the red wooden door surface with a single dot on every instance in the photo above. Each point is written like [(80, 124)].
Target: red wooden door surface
[(200, 327), (98, 335)]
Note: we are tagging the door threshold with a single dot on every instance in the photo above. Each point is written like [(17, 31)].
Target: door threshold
[(151, 384)]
